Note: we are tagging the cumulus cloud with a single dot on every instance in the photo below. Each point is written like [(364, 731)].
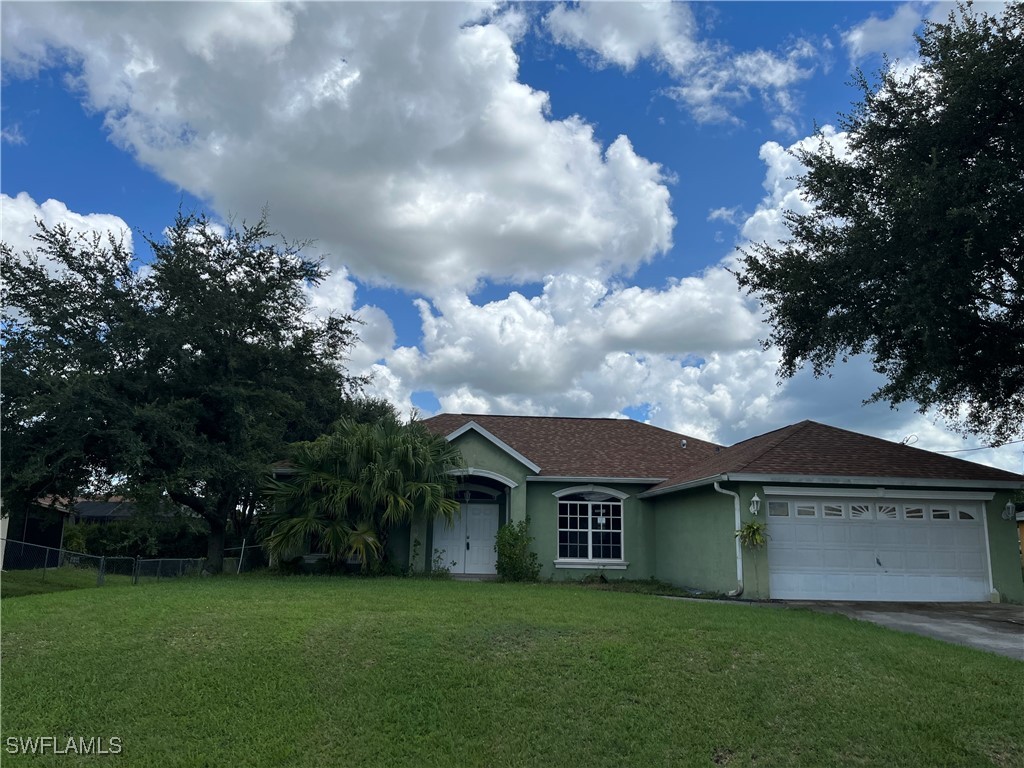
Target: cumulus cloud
[(712, 79), (893, 35), (20, 213), (686, 352), (398, 136)]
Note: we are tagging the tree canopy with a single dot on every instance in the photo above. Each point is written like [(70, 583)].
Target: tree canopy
[(913, 251), (343, 492), (185, 376)]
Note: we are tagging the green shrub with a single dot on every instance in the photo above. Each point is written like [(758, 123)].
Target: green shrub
[(516, 561)]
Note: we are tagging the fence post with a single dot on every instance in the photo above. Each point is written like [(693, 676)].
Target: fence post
[(102, 572), (135, 570), (241, 558)]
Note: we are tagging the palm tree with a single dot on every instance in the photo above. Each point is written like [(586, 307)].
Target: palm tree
[(347, 489)]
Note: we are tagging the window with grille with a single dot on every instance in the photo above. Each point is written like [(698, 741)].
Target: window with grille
[(589, 529)]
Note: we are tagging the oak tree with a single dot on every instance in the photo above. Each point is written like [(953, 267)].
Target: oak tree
[(913, 251)]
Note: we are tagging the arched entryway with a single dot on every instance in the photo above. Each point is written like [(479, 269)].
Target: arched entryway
[(465, 546)]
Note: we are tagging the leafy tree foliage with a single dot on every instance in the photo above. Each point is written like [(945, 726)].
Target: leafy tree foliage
[(184, 378), (345, 491), (913, 250)]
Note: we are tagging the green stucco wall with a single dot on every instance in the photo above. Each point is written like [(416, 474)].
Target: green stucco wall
[(478, 453), (694, 544), (1003, 548), (638, 532)]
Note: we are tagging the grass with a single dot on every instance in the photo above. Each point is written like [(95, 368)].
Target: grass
[(38, 581), (317, 671)]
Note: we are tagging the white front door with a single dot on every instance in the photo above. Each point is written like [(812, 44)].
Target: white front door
[(857, 549), (467, 544), (449, 545)]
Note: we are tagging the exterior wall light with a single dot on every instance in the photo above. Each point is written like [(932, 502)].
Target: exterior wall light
[(755, 505), (1009, 511)]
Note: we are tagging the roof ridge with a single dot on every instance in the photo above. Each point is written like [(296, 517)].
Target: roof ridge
[(770, 444)]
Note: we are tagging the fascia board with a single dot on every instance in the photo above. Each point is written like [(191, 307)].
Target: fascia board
[(594, 479), (879, 493), (918, 482)]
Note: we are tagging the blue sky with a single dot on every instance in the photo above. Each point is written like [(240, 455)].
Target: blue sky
[(532, 206)]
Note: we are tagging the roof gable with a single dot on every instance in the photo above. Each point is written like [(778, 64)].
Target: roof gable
[(498, 442)]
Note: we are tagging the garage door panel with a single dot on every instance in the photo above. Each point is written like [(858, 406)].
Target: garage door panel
[(838, 559), (861, 534), (861, 559), (917, 537), (807, 558), (890, 560), (947, 536), (806, 534), (881, 555), (970, 561), (835, 533), (922, 561)]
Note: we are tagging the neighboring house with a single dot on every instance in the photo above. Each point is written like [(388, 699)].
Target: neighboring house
[(850, 517), (87, 510)]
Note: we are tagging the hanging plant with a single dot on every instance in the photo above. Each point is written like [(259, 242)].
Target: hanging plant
[(753, 535)]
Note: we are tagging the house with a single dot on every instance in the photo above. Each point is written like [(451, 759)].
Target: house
[(850, 517)]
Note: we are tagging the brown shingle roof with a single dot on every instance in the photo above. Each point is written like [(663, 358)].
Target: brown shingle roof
[(809, 448), (577, 447)]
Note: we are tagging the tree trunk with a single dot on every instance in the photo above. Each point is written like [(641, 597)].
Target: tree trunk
[(382, 537), (215, 547)]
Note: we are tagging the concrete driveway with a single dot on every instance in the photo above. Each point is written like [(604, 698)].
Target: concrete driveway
[(994, 627)]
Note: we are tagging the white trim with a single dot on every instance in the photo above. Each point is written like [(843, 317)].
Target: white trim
[(867, 480), (988, 543), (880, 493), (496, 441), (1020, 517), (920, 482), (739, 550), (602, 565), (585, 479), (484, 473), (590, 489)]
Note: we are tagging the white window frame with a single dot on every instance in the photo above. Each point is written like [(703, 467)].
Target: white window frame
[(597, 495)]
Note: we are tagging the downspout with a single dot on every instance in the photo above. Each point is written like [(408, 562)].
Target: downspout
[(739, 550)]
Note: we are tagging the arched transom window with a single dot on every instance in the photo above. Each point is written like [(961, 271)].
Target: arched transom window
[(589, 527)]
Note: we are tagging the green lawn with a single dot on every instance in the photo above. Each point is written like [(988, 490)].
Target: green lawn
[(38, 581), (315, 671)]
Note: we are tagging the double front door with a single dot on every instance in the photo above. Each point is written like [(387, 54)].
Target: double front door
[(466, 545)]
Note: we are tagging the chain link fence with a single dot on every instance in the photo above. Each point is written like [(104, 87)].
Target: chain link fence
[(32, 569)]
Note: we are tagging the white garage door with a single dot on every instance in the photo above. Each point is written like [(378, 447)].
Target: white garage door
[(855, 549)]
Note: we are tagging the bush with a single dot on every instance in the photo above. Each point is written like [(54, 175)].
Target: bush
[(516, 561)]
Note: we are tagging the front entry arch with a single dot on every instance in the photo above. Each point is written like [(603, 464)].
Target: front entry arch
[(466, 545)]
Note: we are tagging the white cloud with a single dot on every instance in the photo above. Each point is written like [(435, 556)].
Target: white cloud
[(397, 136), (687, 352), (893, 36), (728, 215), (18, 216), (712, 79), (12, 134)]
